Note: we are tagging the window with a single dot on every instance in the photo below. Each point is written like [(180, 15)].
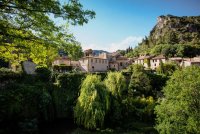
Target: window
[(154, 64), (155, 60), (99, 60), (96, 60), (120, 63), (102, 61), (105, 61), (91, 60)]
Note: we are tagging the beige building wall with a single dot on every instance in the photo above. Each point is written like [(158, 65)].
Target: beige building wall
[(155, 63), (93, 64), (62, 61), (114, 65)]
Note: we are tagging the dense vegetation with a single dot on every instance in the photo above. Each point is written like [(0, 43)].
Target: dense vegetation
[(179, 110), (172, 36), (112, 102)]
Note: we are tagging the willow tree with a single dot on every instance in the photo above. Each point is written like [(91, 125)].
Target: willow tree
[(116, 86), (28, 24), (92, 104), (179, 110)]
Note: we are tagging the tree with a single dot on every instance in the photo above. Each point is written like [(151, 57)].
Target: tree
[(179, 110), (135, 68), (25, 25), (167, 68), (116, 86), (92, 104), (139, 84)]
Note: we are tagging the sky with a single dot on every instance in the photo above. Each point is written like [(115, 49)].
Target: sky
[(122, 23)]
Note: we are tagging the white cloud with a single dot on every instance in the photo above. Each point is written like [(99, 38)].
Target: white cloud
[(112, 47), (124, 44)]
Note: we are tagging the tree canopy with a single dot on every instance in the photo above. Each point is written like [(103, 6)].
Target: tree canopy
[(179, 110), (27, 28), (92, 104)]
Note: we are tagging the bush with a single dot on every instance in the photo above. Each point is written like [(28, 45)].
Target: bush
[(43, 73), (21, 104), (7, 74)]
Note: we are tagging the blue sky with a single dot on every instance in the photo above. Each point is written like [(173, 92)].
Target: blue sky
[(122, 23)]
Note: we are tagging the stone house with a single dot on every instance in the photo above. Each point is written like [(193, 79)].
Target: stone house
[(177, 60), (91, 63), (190, 61), (156, 61), (144, 60), (64, 60), (117, 61)]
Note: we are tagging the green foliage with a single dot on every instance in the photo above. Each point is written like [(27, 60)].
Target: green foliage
[(179, 110), (139, 108), (23, 103), (157, 82), (66, 93), (116, 84), (43, 73), (7, 74), (27, 30), (135, 68), (92, 104), (139, 84), (167, 68)]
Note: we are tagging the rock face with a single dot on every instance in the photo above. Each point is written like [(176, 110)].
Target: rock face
[(175, 30), (29, 67), (172, 36)]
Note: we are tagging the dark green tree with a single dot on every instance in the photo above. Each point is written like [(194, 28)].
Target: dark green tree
[(139, 84)]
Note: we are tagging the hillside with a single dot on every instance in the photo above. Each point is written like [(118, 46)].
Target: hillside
[(172, 36)]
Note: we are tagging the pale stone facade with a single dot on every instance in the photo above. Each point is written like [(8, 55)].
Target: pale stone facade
[(62, 61), (190, 61), (156, 61), (144, 60), (93, 64)]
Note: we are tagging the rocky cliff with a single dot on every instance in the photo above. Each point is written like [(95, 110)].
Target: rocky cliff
[(171, 31), (175, 30)]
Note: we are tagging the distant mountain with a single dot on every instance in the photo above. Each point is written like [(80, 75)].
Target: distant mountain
[(97, 52), (171, 32)]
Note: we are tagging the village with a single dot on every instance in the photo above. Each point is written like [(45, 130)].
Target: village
[(115, 61)]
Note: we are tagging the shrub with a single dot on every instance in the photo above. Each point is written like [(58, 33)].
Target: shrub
[(7, 74), (43, 73)]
